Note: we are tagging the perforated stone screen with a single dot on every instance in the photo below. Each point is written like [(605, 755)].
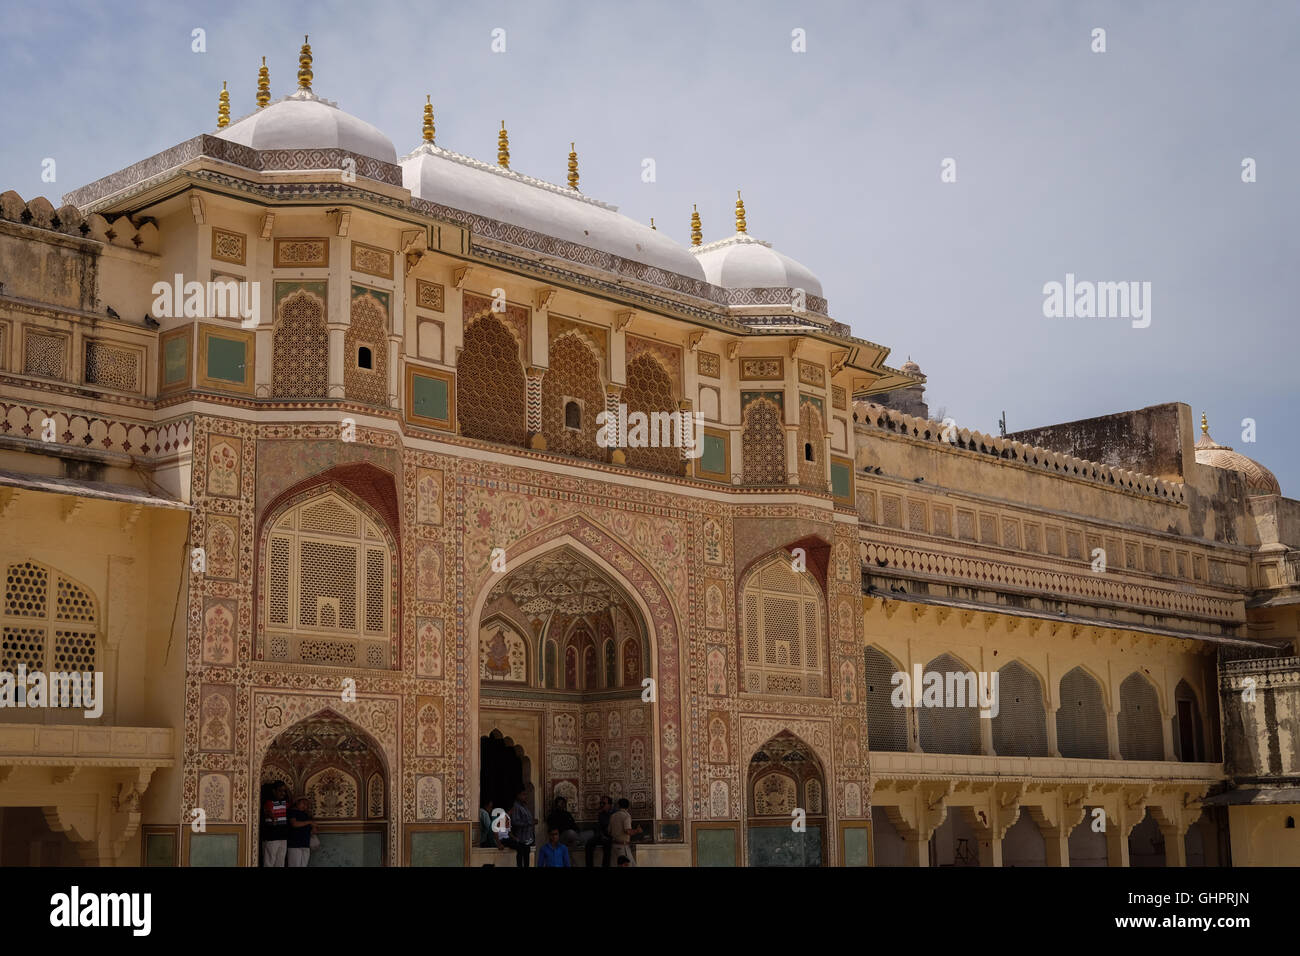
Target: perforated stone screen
[(1020, 727), (945, 729), (1081, 719), (1141, 736), (886, 724)]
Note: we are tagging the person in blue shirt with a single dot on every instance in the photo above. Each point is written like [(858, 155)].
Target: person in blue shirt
[(553, 852)]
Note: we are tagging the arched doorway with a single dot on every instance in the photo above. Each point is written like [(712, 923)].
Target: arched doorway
[(785, 776), (563, 648), (504, 768), (341, 771)]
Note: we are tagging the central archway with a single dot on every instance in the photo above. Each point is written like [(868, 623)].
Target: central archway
[(563, 641)]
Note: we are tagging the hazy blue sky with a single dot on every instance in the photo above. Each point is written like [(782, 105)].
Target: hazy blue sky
[(1124, 165)]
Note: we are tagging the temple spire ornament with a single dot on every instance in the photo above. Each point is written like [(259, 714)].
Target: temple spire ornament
[(304, 65), (503, 147), (573, 167), (1205, 424), (652, 223), (428, 119), (697, 235), (223, 107), (263, 85), (740, 213)]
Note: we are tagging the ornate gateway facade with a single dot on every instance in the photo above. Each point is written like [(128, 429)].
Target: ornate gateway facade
[(306, 449)]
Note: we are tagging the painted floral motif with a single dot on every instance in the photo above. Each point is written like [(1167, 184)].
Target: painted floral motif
[(719, 800), (220, 546), (565, 729), (214, 789), (848, 682), (636, 760), (428, 580), (214, 722), (853, 799), (219, 635), (428, 735), (223, 468), (716, 672), (428, 497), (428, 642), (712, 542), (718, 749), (428, 798), (714, 613)]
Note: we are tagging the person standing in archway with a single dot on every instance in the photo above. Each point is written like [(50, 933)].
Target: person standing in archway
[(301, 826), (522, 826), (275, 825)]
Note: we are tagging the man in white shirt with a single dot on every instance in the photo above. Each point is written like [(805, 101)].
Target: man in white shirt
[(621, 832)]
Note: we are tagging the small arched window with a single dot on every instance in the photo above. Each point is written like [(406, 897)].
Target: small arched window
[(365, 358), (808, 452), (573, 415)]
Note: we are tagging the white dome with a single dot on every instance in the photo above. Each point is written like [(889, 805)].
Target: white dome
[(305, 121), (742, 262), (450, 179)]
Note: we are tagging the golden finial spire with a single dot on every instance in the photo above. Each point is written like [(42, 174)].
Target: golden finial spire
[(223, 107), (697, 236), (740, 213), (1205, 424), (573, 168), (503, 147), (304, 65), (652, 223), (428, 119), (263, 85)]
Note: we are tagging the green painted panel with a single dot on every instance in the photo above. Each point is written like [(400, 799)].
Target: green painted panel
[(214, 849), (226, 360), (285, 289), (781, 846), (841, 480), (160, 849), (715, 847), (714, 458), (438, 848), (429, 397), (856, 842), (349, 849), (175, 360), (360, 290)]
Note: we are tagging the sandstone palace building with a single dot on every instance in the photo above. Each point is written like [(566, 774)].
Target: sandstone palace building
[(351, 528)]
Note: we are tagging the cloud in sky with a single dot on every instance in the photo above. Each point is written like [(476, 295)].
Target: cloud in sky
[(1117, 166)]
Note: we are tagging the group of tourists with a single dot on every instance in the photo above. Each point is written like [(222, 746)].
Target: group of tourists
[(288, 830), (613, 832)]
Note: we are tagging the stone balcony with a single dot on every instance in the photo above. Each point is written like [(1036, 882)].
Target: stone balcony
[(91, 746), (89, 781), (897, 765)]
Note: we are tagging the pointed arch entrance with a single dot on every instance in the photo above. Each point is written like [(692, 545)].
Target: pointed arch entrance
[(563, 642), (342, 772), (784, 776)]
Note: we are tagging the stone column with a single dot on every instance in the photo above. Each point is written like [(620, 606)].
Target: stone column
[(916, 849), (1053, 749), (1175, 846), (1057, 842), (336, 359)]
